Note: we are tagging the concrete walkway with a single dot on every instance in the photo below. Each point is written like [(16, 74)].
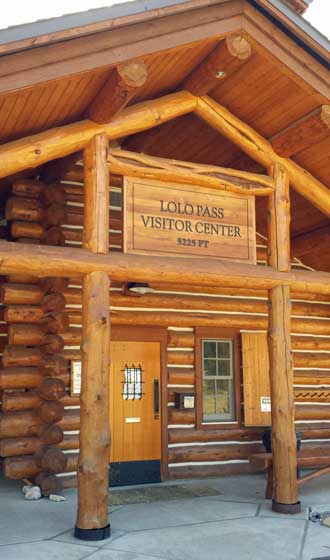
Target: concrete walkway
[(234, 523)]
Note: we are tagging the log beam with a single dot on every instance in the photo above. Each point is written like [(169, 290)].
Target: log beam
[(305, 132), (224, 60), (44, 261), (132, 164), (123, 84), (261, 150), (93, 469), (285, 497), (59, 142)]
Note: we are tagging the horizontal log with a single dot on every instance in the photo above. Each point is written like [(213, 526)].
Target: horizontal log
[(203, 471), (22, 279), (26, 400), (30, 294), (168, 318), (311, 378), (65, 262), (33, 230), (27, 188), (70, 420), (20, 377), (26, 209), (23, 424), (200, 303), (69, 481), (37, 335), (179, 339), (181, 376), (22, 356), (176, 416), (10, 447), (213, 452), (70, 441), (311, 360), (312, 412), (23, 314), (181, 358), (25, 466), (310, 343), (21, 294), (190, 435)]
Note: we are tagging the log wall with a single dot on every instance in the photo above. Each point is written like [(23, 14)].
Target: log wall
[(191, 451)]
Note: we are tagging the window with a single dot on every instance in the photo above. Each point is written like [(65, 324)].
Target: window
[(217, 377), (218, 380)]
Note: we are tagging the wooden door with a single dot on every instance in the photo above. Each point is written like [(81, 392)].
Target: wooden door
[(135, 411)]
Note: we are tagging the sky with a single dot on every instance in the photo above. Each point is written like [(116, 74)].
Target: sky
[(16, 12)]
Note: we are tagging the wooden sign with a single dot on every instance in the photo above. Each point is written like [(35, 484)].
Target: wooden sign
[(175, 219)]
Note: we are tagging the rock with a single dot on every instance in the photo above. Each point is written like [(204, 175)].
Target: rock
[(326, 522), (33, 493), (56, 498)]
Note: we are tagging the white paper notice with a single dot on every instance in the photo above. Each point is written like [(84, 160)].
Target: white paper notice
[(265, 404), (75, 378)]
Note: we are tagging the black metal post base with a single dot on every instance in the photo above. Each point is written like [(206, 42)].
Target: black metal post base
[(92, 534), (290, 509)]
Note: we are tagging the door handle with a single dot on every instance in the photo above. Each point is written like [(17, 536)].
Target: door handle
[(156, 399)]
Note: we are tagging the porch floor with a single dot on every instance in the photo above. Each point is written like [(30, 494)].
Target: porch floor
[(211, 519)]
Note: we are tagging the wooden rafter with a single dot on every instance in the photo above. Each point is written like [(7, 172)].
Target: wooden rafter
[(224, 60), (123, 162), (123, 84), (304, 133)]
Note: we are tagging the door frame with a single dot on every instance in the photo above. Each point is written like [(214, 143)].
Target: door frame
[(151, 334)]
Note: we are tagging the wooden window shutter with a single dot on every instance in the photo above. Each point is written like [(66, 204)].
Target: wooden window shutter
[(256, 388)]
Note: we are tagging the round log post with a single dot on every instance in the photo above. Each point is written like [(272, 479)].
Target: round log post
[(285, 493), (93, 467)]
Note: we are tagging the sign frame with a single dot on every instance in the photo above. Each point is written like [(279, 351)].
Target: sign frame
[(137, 199)]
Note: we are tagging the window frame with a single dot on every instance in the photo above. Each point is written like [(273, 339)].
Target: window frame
[(225, 333)]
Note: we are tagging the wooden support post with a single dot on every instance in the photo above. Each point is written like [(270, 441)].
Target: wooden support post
[(285, 497), (93, 477)]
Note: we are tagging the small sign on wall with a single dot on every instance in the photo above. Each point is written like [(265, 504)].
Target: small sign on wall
[(265, 404), (188, 220), (75, 386)]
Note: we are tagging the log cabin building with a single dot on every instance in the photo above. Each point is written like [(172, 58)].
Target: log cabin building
[(164, 261)]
